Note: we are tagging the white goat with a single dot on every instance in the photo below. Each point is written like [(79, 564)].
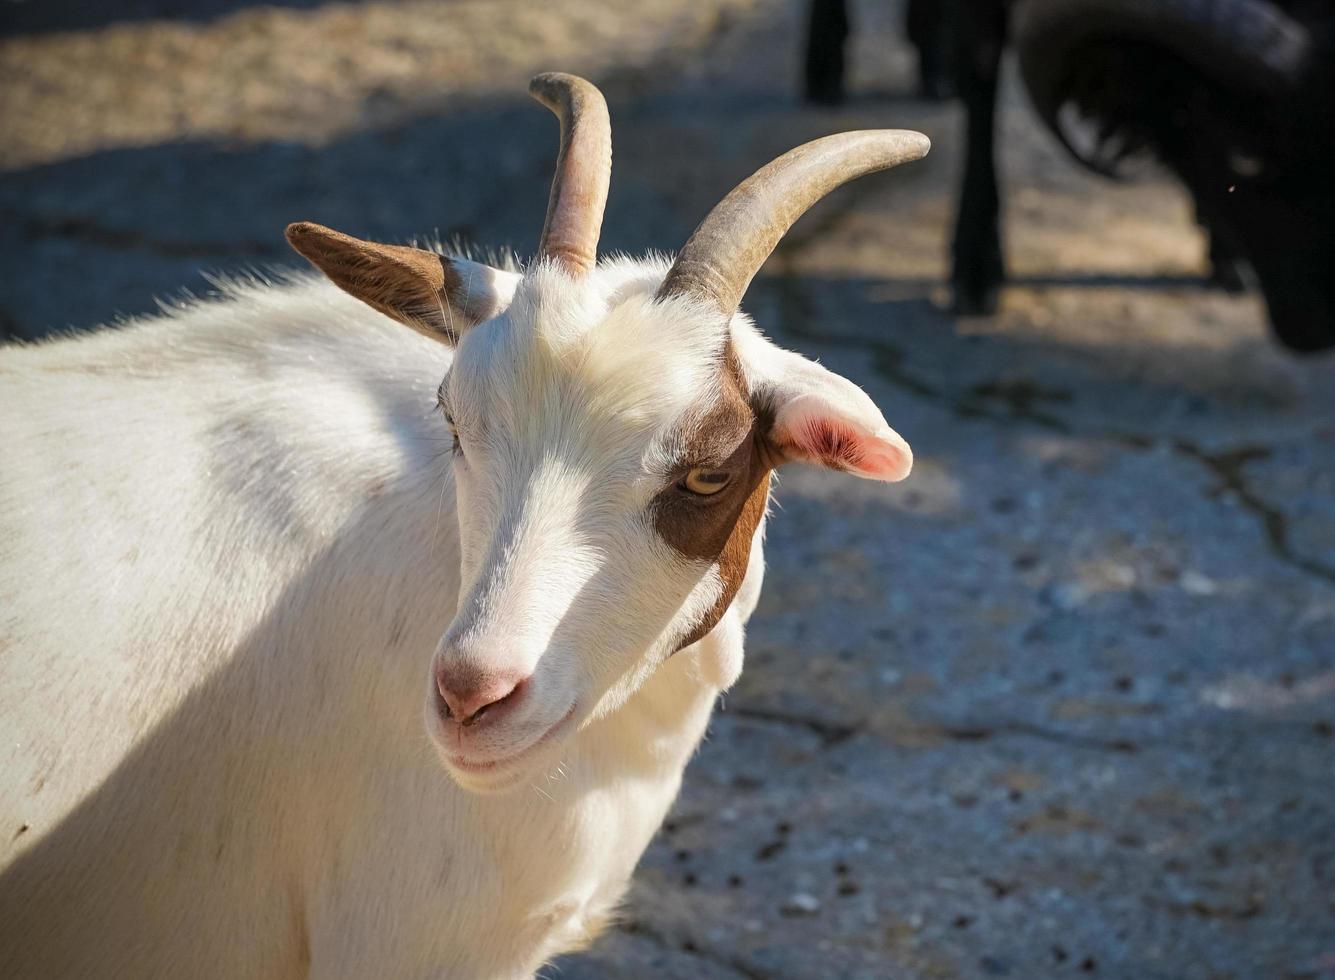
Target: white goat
[(239, 550)]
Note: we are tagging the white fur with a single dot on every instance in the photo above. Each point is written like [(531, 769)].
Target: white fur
[(231, 538)]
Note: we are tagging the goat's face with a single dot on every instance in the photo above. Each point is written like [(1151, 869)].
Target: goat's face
[(610, 478), (615, 428), (612, 465)]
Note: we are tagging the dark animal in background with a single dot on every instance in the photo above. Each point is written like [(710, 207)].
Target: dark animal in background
[(1235, 97)]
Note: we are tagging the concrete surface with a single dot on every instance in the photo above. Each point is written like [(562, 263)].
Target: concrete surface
[(1062, 704)]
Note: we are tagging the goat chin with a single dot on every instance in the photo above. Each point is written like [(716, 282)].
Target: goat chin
[(498, 771)]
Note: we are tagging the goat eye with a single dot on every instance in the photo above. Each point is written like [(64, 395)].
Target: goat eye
[(454, 431), (706, 482)]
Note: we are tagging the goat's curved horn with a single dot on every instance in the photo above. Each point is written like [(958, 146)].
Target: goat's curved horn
[(723, 255), (583, 169)]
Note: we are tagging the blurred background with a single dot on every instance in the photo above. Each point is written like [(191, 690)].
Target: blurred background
[(1061, 704)]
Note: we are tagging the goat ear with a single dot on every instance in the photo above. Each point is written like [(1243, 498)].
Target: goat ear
[(820, 417), (436, 295)]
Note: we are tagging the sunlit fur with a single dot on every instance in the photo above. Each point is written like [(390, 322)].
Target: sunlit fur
[(233, 544)]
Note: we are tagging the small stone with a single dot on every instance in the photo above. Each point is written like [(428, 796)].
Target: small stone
[(1064, 595), (1024, 561), (768, 851), (1120, 576), (801, 903), (1194, 583)]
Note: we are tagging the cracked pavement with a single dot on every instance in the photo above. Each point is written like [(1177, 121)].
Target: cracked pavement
[(1061, 704)]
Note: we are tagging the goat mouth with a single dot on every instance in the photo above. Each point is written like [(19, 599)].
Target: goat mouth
[(478, 768)]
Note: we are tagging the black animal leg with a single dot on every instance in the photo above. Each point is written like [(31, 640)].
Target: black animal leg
[(827, 32), (978, 265)]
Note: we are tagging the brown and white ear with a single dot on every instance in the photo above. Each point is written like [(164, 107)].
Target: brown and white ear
[(436, 295), (820, 417)]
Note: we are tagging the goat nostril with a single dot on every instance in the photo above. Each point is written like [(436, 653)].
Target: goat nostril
[(475, 717), (468, 703)]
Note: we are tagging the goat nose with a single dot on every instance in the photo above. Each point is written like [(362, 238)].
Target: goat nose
[(467, 694)]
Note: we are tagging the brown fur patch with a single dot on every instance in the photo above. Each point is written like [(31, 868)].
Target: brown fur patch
[(418, 288), (720, 528)]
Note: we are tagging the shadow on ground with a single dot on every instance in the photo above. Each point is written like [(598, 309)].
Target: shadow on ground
[(24, 17)]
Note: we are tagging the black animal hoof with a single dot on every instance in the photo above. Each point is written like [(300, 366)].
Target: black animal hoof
[(1228, 277), (824, 92), (936, 88), (1302, 333), (973, 301)]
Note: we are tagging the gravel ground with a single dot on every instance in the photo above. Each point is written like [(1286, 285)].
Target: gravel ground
[(1062, 704)]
